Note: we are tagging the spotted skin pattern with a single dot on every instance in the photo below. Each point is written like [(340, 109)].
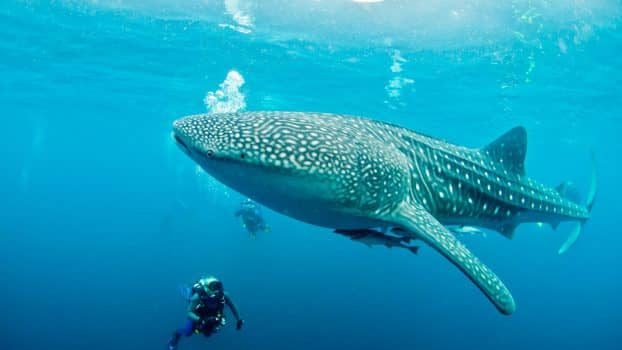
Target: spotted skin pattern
[(337, 153), (349, 172)]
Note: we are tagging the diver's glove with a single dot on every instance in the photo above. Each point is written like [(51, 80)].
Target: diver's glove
[(239, 324)]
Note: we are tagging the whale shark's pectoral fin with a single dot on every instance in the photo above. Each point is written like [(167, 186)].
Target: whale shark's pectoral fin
[(417, 221)]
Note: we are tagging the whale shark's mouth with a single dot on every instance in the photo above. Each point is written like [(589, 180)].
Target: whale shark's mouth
[(181, 143)]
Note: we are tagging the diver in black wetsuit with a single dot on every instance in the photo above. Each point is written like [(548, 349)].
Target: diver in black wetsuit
[(252, 220), (206, 310)]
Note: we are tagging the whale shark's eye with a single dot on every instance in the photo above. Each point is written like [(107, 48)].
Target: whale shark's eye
[(242, 155), (209, 153)]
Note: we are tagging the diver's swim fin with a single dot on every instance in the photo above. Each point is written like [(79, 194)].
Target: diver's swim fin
[(172, 343)]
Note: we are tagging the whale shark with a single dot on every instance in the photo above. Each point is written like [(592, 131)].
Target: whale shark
[(353, 173)]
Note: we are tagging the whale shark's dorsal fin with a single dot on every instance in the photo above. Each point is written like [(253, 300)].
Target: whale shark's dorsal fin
[(510, 150)]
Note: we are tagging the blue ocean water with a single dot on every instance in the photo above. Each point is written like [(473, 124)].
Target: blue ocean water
[(103, 217)]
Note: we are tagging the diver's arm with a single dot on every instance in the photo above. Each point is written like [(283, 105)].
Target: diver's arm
[(194, 302), (232, 307)]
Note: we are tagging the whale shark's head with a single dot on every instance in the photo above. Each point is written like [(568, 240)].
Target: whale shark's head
[(214, 140), (234, 146), (285, 160), (262, 156)]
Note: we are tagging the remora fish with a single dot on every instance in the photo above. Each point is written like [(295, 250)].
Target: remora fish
[(371, 237), (351, 173)]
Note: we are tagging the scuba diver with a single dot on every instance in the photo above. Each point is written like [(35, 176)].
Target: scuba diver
[(206, 306), (252, 220)]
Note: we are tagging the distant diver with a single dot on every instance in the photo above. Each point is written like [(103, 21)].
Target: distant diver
[(252, 219), (206, 304)]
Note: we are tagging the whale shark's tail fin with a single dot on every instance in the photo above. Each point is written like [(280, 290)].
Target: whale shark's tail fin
[(591, 196)]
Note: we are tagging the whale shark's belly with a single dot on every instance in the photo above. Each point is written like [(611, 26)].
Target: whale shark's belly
[(317, 200)]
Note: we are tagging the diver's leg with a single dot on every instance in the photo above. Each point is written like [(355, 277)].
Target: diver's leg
[(186, 330)]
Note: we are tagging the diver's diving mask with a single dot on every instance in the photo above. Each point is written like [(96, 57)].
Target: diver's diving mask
[(215, 285)]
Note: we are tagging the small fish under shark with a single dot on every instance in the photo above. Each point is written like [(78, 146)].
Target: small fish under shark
[(353, 173), (371, 237), (380, 237), (462, 230)]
